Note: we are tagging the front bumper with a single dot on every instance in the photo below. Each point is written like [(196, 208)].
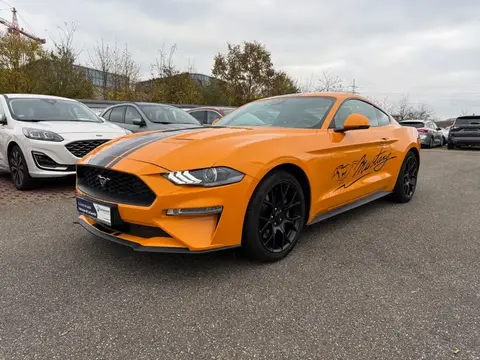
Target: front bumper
[(55, 151), (149, 228)]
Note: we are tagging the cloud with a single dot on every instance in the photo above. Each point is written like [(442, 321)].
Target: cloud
[(426, 49)]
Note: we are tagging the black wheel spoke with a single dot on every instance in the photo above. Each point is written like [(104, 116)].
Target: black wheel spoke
[(281, 218), (410, 176)]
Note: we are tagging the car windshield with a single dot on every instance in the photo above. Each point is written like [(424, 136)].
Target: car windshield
[(415, 124), (45, 109), (168, 115), (304, 112)]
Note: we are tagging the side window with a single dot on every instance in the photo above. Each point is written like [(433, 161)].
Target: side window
[(130, 114), (106, 116), (117, 114), (211, 116), (382, 118), (199, 115), (355, 106)]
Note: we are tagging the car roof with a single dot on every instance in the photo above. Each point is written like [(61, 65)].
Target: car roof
[(36, 96), (414, 121), (337, 95), (201, 108)]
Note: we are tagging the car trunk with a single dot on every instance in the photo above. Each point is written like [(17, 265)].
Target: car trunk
[(466, 126)]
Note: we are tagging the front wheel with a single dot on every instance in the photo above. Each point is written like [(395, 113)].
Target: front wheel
[(18, 169), (275, 217), (407, 180)]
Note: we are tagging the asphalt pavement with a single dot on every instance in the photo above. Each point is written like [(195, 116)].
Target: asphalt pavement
[(384, 281)]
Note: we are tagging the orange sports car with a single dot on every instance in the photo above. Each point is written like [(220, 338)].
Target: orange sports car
[(253, 179)]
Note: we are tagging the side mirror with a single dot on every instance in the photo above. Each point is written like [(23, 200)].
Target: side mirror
[(354, 122), (438, 129), (138, 122), (215, 121), (3, 119)]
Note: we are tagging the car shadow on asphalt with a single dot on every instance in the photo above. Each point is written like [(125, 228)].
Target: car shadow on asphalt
[(221, 262), (40, 184)]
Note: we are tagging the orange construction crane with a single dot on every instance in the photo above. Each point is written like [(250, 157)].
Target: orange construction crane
[(13, 28)]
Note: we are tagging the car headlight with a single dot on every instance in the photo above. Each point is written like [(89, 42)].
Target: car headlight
[(45, 135), (215, 176)]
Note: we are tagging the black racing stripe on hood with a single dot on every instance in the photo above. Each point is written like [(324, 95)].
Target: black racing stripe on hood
[(127, 147)]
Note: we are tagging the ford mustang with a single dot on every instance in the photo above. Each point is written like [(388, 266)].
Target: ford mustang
[(254, 179)]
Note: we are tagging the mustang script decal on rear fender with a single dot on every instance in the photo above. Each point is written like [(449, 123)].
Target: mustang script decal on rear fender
[(349, 174)]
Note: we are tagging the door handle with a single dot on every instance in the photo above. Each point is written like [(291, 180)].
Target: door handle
[(384, 139)]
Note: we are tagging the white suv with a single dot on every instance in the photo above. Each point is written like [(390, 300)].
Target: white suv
[(44, 136)]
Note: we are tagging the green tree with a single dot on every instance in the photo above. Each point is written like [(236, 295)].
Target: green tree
[(248, 73), (16, 53)]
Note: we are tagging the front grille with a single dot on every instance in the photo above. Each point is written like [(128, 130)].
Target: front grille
[(120, 187), (83, 147)]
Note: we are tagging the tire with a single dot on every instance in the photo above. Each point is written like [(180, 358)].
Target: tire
[(430, 144), (19, 169), (399, 194), (450, 146), (262, 231), (442, 142)]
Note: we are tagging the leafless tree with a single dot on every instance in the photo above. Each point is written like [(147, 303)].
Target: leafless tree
[(164, 65), (407, 111), (329, 82), (102, 59)]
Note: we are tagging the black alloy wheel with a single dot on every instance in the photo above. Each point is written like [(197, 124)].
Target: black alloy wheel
[(410, 176), (280, 217), (407, 180), (19, 169), (275, 217)]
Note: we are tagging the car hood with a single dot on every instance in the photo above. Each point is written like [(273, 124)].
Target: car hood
[(76, 127), (186, 148)]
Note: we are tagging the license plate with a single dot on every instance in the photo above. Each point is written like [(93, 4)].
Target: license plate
[(102, 213)]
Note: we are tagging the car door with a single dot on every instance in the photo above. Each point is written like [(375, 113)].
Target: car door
[(133, 114), (3, 138), (359, 157)]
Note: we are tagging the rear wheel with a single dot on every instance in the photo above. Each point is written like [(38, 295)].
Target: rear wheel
[(19, 170), (430, 144), (275, 217), (407, 180), (450, 146)]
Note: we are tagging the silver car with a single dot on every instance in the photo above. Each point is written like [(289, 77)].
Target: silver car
[(430, 134)]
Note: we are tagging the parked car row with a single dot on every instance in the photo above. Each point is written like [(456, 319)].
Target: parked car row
[(44, 136), (465, 131)]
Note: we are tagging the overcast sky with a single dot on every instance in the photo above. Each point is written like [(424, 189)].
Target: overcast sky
[(428, 49)]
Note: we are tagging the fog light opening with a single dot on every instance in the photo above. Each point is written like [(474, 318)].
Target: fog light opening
[(195, 211), (45, 162)]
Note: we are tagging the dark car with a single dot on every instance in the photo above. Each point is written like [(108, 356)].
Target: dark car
[(207, 114), (430, 134), (139, 116), (465, 131)]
